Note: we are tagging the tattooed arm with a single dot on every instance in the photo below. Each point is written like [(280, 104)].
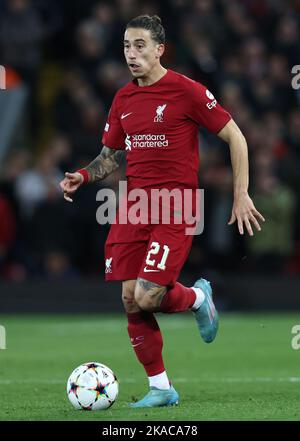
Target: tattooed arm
[(98, 169), (102, 166)]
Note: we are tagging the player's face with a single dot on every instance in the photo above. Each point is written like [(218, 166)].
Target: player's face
[(142, 53)]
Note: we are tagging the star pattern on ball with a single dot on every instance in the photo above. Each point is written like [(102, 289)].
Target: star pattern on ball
[(73, 388), (92, 366), (100, 390)]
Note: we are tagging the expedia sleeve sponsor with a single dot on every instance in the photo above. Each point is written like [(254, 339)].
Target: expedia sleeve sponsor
[(204, 108)]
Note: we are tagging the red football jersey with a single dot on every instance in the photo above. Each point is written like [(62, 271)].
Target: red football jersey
[(157, 126)]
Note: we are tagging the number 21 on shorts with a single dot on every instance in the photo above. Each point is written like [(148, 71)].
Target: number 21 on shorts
[(154, 250)]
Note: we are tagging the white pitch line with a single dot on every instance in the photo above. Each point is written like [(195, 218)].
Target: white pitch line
[(175, 380), (239, 380)]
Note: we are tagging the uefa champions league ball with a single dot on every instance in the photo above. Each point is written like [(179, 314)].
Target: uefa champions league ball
[(92, 386)]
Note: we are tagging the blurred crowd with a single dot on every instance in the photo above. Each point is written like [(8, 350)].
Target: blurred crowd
[(69, 55)]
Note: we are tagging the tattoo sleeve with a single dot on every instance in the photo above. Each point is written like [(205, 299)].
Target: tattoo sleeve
[(104, 164), (147, 285), (155, 291)]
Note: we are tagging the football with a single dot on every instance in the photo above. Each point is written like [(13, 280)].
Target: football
[(92, 386)]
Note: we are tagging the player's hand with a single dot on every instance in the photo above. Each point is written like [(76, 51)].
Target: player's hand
[(245, 213), (70, 184)]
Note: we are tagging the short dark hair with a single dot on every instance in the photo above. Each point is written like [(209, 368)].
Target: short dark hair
[(152, 24)]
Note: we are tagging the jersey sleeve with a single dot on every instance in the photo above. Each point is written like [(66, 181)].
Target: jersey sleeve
[(205, 110), (113, 134)]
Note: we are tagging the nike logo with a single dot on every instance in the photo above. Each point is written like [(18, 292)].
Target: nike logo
[(146, 270), (125, 116), (134, 339), (138, 344)]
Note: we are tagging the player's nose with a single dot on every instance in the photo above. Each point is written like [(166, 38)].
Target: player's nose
[(131, 54)]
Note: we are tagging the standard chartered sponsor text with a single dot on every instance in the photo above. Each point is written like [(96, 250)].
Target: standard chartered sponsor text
[(149, 140)]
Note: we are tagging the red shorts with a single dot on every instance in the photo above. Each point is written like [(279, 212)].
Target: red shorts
[(152, 252)]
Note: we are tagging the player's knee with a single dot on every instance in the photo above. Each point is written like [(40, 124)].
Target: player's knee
[(128, 296), (128, 287), (129, 303), (128, 300), (146, 304)]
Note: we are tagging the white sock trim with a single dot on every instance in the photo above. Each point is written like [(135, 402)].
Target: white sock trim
[(160, 381), (200, 297)]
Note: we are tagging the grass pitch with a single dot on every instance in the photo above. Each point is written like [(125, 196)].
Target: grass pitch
[(250, 372)]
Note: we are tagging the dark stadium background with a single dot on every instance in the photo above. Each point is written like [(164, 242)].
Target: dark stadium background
[(64, 63)]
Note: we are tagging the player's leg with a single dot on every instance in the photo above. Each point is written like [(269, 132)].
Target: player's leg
[(145, 335), (157, 288), (130, 305), (148, 296), (157, 298), (125, 251), (151, 296), (123, 262)]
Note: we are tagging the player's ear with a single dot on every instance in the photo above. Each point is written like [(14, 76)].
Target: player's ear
[(160, 49)]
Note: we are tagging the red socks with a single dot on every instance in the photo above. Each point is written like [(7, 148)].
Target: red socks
[(178, 299), (146, 340), (144, 332)]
